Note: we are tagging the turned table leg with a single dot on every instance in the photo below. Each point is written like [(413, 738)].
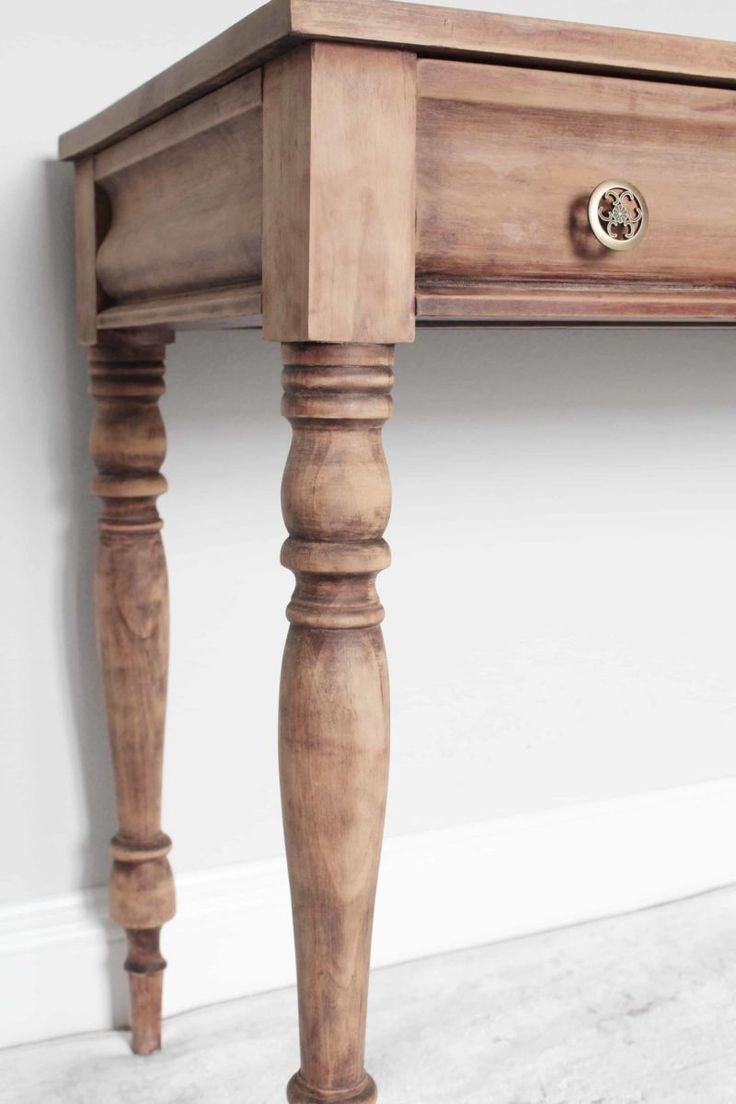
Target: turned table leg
[(334, 716), (128, 446)]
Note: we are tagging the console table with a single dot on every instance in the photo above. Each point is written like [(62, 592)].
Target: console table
[(333, 170)]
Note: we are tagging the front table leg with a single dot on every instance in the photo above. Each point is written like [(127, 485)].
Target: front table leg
[(128, 444), (334, 711)]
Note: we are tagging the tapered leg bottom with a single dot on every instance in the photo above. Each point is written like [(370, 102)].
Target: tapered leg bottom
[(145, 967), (145, 1013)]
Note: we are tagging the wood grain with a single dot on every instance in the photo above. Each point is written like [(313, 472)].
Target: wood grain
[(334, 718), (185, 199), (451, 31), (85, 250), (551, 301), (234, 306), (507, 159), (339, 195), (287, 153), (428, 30), (128, 444)]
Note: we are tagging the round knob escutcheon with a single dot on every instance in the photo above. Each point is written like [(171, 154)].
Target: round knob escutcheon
[(618, 214)]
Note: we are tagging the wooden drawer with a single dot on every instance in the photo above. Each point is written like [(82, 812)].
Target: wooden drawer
[(507, 159)]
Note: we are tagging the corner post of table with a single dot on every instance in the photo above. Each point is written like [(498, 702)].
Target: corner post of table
[(128, 445), (338, 293)]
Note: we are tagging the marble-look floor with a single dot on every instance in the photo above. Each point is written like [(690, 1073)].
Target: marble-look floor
[(638, 1009)]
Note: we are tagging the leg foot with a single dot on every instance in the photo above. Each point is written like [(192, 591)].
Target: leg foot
[(298, 1092), (145, 967)]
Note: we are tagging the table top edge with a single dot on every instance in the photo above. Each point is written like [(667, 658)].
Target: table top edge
[(427, 30)]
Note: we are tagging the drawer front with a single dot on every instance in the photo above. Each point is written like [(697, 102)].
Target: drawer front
[(507, 160)]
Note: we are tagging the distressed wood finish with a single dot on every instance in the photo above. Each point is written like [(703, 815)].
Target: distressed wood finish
[(338, 235), (86, 220), (334, 720), (192, 184), (524, 301), (507, 159), (128, 445), (434, 31), (217, 309), (336, 167)]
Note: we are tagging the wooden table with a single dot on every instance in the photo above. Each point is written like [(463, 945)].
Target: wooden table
[(333, 170)]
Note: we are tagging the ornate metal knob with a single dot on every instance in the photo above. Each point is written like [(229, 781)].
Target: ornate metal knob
[(618, 214)]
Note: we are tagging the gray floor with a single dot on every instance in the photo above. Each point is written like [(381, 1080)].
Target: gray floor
[(635, 1009)]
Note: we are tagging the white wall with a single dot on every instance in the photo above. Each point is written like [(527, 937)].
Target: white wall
[(561, 609)]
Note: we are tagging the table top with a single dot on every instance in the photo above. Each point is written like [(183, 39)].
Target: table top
[(430, 31)]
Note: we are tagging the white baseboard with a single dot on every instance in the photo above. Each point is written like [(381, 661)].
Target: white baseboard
[(439, 891)]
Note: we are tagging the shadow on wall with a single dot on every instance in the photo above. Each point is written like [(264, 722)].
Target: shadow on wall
[(68, 457)]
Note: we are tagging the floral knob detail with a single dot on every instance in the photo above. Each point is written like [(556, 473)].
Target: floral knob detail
[(618, 214)]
